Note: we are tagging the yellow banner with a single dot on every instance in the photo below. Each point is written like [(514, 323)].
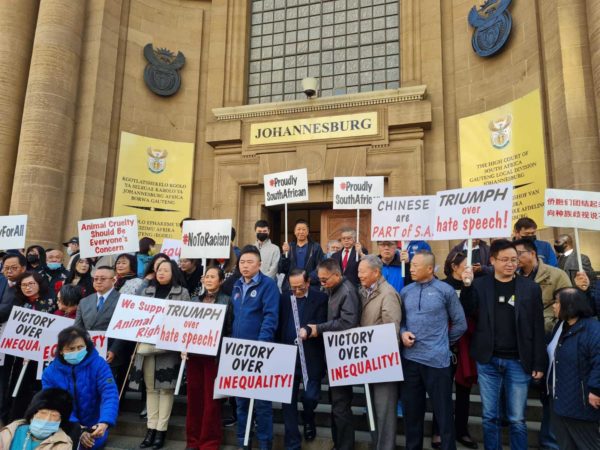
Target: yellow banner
[(154, 182), (506, 145), (312, 128)]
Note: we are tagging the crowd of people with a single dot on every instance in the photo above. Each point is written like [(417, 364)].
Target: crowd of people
[(519, 316)]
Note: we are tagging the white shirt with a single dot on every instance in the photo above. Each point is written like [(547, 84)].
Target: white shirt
[(105, 295)]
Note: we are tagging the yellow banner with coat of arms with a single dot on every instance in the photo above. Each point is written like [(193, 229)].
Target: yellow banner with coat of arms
[(506, 145), (154, 182)]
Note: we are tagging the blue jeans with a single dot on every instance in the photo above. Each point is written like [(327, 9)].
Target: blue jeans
[(264, 421), (502, 373), (310, 400)]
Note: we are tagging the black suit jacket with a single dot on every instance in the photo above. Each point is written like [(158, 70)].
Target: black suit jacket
[(529, 312), (351, 272), (315, 311)]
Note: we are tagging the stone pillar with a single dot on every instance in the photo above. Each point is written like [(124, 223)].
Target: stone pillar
[(593, 23), (17, 28), (44, 154)]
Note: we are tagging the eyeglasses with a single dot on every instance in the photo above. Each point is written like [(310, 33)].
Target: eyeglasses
[(28, 285), (520, 252), (508, 260), (101, 279), (11, 268), (298, 288)]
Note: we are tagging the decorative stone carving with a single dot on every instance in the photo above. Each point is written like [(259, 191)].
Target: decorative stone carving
[(162, 71), (492, 23)]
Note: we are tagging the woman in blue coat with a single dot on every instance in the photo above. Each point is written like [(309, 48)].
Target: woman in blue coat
[(574, 373), (79, 369)]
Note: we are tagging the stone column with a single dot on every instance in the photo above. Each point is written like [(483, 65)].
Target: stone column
[(44, 154), (593, 23), (17, 28)]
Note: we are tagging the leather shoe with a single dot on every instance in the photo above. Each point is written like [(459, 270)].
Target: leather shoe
[(467, 442), (159, 440), (310, 432), (148, 439)]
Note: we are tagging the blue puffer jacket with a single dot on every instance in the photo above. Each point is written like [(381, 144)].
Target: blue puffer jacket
[(92, 386), (577, 357), (256, 315)]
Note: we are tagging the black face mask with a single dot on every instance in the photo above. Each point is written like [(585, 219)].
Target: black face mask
[(559, 248), (32, 258), (530, 238), (262, 236)]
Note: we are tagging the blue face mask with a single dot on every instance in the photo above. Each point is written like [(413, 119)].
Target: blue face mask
[(43, 429), (75, 358), (54, 266)]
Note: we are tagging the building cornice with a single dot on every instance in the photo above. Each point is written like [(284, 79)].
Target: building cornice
[(401, 95)]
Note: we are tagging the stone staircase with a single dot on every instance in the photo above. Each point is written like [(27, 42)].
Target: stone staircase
[(131, 428)]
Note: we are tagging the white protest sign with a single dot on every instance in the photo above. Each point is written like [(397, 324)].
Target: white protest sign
[(363, 355), (12, 232), (171, 248), (356, 192), (286, 187), (572, 209), (31, 334), (403, 218), (254, 369), (478, 212), (136, 319), (206, 239), (191, 327), (99, 237)]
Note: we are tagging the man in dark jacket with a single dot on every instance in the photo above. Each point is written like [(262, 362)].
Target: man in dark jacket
[(508, 343), (310, 307), (303, 254), (56, 272), (343, 313), (349, 256), (255, 303)]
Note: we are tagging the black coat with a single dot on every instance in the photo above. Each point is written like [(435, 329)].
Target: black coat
[(351, 272), (529, 313), (314, 256), (315, 311)]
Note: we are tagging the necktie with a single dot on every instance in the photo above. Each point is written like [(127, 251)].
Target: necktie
[(100, 303), (345, 260)]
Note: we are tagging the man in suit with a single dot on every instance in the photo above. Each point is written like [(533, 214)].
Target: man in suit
[(311, 306), (94, 314), (508, 343), (347, 258), (567, 259)]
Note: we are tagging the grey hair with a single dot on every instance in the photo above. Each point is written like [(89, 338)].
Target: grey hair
[(349, 230), (374, 262), (428, 256)]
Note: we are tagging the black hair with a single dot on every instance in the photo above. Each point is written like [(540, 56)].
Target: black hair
[(526, 223), (73, 268), (185, 220), (41, 280), (250, 249), (177, 277), (301, 221), (68, 336), (70, 295), (145, 244), (295, 272), (233, 234), (261, 224), (527, 243), (41, 252), (220, 272), (501, 244), (132, 262), (573, 304), (19, 256), (330, 265), (454, 258), (54, 399), (150, 266)]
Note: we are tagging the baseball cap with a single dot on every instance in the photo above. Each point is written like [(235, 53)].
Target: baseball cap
[(73, 240)]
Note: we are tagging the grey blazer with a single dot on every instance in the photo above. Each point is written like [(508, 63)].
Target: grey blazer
[(90, 319), (569, 265)]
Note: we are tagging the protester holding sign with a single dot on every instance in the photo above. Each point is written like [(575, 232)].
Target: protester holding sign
[(433, 321), (380, 304), (203, 420), (160, 391), (255, 302), (310, 307), (508, 343), (80, 274), (343, 313), (347, 257), (78, 368), (44, 425), (304, 253)]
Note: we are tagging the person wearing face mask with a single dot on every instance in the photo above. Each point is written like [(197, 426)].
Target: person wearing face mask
[(56, 272), (80, 370), (526, 228), (567, 257), (44, 426), (36, 259), (72, 248), (147, 251), (269, 252)]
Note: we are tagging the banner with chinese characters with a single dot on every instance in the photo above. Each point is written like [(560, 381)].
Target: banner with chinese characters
[(506, 145), (154, 182)]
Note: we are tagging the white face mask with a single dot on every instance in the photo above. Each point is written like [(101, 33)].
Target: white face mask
[(70, 252)]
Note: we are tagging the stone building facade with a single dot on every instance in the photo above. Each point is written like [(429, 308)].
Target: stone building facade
[(72, 81)]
